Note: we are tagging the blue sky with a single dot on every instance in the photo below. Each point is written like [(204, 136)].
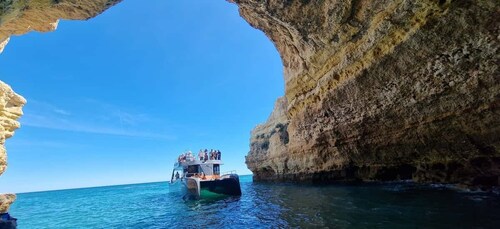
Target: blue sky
[(115, 99)]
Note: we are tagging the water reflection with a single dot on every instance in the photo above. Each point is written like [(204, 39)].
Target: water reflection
[(398, 205), (364, 206)]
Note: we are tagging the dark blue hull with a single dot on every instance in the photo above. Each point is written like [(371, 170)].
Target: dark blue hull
[(229, 185)]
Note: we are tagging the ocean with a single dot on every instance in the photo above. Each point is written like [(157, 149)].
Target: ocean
[(262, 205)]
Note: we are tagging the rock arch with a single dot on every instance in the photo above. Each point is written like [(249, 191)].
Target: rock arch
[(372, 87)]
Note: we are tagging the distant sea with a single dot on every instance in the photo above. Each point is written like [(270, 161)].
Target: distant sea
[(262, 205)]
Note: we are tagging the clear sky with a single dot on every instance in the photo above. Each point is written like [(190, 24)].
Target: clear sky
[(115, 99)]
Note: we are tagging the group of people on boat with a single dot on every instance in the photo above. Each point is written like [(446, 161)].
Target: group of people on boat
[(188, 156), (203, 155)]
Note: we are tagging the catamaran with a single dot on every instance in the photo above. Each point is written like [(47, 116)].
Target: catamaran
[(197, 175)]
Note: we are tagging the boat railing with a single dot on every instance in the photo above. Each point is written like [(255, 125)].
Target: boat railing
[(229, 172)]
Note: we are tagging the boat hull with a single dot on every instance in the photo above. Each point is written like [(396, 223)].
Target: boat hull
[(228, 185)]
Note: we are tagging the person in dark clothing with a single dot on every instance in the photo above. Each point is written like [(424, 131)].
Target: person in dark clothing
[(177, 176), (218, 155), (206, 157), (7, 221)]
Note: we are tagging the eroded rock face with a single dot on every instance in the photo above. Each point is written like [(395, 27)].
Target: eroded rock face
[(21, 16), (384, 90), (5, 201), (269, 142), (10, 110), (11, 105)]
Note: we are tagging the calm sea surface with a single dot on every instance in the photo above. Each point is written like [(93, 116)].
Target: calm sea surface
[(153, 205)]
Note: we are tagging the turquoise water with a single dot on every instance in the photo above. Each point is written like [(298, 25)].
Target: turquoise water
[(152, 205)]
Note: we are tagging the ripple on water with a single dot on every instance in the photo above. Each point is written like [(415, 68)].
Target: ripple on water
[(153, 205)]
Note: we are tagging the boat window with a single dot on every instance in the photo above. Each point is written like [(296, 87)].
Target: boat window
[(193, 169), (216, 169)]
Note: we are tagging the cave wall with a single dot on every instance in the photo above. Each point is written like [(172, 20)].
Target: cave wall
[(375, 90), (384, 90)]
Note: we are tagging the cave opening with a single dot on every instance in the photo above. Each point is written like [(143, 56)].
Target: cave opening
[(133, 88)]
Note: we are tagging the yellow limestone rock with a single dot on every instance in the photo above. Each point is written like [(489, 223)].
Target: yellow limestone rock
[(10, 110), (5, 201), (382, 90), (11, 105)]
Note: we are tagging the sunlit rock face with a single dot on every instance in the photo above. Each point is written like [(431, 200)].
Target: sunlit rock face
[(5, 201), (10, 110), (269, 142), (21, 16), (383, 90)]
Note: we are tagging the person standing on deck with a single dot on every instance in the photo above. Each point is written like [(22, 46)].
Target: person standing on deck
[(201, 155)]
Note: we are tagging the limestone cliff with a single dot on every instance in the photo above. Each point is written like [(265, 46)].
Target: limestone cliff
[(383, 90), (269, 140), (10, 110)]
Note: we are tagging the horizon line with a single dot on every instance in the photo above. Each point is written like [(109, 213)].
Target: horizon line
[(101, 186)]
